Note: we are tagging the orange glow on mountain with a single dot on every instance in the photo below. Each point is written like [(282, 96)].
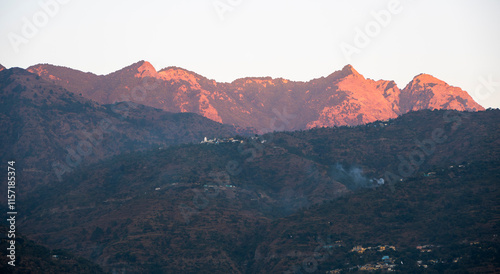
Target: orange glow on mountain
[(177, 75), (344, 97), (146, 70)]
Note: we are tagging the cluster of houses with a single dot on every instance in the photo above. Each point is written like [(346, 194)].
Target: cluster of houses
[(424, 264), (379, 248), (425, 248), (230, 140), (219, 141), (379, 123), (338, 243), (433, 173), (386, 263), (429, 174), (218, 186)]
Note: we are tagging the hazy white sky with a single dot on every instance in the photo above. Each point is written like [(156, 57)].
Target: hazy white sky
[(457, 41)]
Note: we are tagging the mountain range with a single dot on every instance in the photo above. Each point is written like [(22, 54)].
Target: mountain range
[(329, 175), (51, 131), (344, 97), (229, 209)]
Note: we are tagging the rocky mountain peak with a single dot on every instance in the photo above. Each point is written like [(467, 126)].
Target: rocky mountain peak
[(345, 97), (349, 70)]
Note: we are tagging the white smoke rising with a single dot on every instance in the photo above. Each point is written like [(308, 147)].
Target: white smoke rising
[(353, 177)]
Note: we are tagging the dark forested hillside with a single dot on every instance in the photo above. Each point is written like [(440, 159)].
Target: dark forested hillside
[(449, 221), (51, 132), (35, 258), (258, 205)]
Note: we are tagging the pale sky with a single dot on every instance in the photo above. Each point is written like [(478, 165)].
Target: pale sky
[(456, 41)]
